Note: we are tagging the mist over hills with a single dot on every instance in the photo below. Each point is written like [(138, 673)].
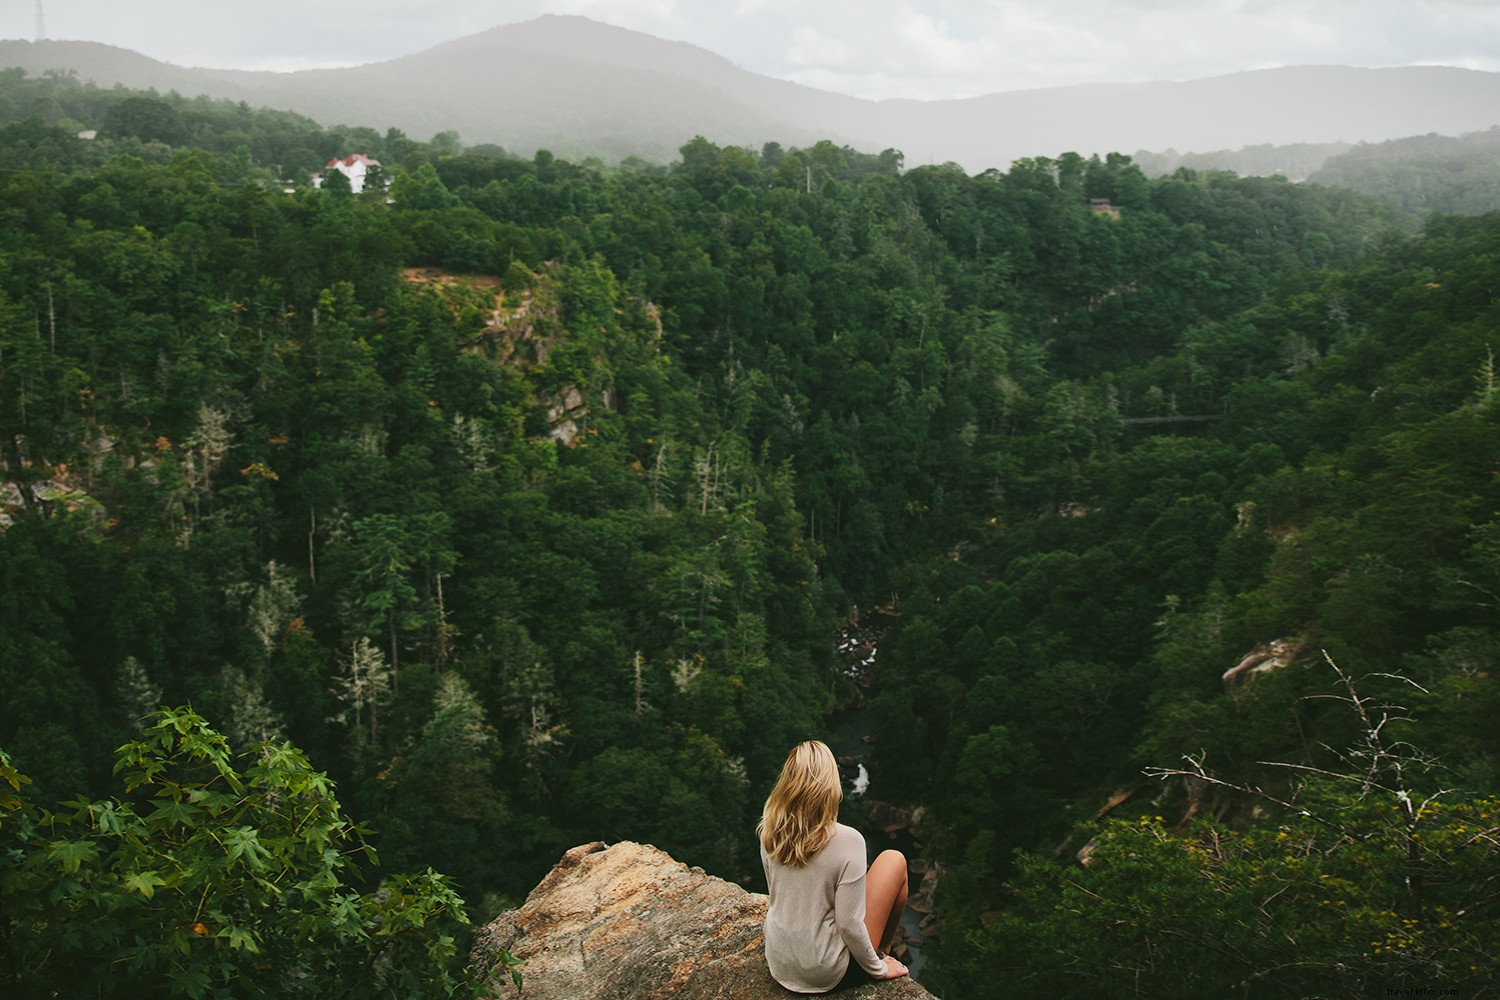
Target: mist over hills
[(579, 87)]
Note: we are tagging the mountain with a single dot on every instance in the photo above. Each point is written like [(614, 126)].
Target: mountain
[(1294, 162), (568, 84), (579, 88), (1303, 104), (1424, 174)]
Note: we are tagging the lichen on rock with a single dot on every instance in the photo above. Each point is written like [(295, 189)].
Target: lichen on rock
[(628, 921)]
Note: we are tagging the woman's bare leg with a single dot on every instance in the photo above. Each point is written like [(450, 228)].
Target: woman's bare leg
[(885, 897)]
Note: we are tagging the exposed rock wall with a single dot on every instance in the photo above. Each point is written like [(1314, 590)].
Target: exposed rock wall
[(627, 922)]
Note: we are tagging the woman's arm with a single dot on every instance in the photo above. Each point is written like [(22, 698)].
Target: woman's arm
[(849, 916)]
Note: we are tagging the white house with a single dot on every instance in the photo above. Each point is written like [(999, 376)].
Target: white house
[(354, 167)]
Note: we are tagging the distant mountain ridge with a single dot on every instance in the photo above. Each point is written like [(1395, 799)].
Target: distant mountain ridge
[(579, 87)]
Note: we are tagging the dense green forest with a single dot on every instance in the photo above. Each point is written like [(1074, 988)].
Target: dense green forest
[(527, 499), (1421, 175), (1425, 174), (1296, 161)]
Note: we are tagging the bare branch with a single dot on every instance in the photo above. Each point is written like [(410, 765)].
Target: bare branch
[(1485, 835), (1351, 778), (1402, 679), (1433, 798), (1198, 772)]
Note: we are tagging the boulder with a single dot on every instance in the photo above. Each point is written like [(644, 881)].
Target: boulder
[(627, 922)]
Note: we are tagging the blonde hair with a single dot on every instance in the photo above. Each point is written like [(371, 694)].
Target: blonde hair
[(799, 816)]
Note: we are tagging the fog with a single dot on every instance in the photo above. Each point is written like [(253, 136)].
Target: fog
[(871, 48)]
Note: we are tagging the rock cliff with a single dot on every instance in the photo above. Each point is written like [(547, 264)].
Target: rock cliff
[(628, 922)]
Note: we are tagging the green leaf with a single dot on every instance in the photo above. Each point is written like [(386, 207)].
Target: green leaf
[(144, 883), (243, 843), (110, 817), (10, 775), (241, 939), (174, 814), (189, 982), (71, 854)]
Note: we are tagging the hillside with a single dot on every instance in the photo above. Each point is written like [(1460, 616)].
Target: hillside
[(531, 500), (567, 84), (579, 88), (1423, 175), (1294, 162), (1419, 175)]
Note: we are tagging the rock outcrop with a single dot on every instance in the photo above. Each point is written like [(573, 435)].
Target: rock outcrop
[(1263, 659), (628, 922)]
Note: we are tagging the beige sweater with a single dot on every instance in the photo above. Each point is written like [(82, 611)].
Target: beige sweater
[(816, 919)]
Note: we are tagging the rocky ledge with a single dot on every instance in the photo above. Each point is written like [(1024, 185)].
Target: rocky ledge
[(629, 923)]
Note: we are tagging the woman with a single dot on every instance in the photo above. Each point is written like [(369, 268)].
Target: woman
[(825, 908)]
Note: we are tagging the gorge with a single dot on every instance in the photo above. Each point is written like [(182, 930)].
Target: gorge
[(517, 507)]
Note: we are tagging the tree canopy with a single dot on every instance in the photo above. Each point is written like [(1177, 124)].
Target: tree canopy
[(527, 496)]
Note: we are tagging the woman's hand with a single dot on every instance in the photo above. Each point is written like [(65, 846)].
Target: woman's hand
[(894, 969)]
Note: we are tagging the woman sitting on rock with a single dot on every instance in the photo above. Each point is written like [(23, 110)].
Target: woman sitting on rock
[(825, 907)]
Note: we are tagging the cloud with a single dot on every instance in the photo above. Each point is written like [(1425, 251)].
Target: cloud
[(873, 48), (746, 8), (928, 43), (626, 13), (810, 47), (946, 48)]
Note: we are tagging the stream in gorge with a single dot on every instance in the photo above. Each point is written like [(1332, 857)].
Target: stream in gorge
[(848, 737)]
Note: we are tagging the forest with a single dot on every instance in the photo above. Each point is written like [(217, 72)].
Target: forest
[(519, 503), (1420, 175)]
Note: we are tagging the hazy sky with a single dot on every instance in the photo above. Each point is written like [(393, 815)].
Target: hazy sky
[(871, 48)]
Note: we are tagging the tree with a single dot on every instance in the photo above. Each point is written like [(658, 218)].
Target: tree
[(364, 685), (337, 184), (421, 188), (389, 547), (149, 119), (214, 876), (442, 801), (1367, 877)]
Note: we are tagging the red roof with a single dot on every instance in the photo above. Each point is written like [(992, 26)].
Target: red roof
[(351, 160)]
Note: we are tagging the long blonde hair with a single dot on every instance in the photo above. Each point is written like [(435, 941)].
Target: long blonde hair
[(800, 814)]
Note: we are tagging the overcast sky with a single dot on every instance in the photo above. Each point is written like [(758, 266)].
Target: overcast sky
[(870, 48)]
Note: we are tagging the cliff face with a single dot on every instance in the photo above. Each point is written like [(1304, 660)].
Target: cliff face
[(628, 922)]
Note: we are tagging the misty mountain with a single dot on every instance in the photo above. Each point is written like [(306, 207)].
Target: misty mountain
[(1423, 174), (1294, 162), (580, 88)]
